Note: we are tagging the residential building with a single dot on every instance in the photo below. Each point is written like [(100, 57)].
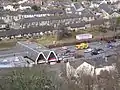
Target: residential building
[(106, 9), (86, 15)]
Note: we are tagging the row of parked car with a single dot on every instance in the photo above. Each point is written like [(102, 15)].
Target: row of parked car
[(66, 52)]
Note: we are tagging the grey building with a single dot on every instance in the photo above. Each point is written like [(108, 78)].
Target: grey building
[(38, 54), (106, 8)]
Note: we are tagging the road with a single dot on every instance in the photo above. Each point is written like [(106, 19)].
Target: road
[(100, 59)]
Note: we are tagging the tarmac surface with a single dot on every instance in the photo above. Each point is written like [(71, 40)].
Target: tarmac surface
[(70, 52), (104, 58)]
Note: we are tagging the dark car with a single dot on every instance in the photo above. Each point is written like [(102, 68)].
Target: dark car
[(109, 45), (110, 41), (94, 52), (97, 51), (79, 56)]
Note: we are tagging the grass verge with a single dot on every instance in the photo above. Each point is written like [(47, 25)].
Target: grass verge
[(7, 44)]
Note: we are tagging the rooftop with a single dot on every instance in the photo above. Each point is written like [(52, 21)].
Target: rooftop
[(106, 8)]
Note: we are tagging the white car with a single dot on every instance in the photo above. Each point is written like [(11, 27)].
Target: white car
[(64, 48), (88, 50)]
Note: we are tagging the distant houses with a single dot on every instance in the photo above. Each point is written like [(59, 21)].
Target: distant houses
[(86, 69), (74, 15)]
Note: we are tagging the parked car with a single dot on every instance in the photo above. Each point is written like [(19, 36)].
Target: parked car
[(88, 50), (78, 56), (110, 41), (109, 45), (82, 46), (97, 51)]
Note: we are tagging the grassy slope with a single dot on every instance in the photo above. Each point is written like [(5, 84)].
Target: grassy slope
[(7, 44), (48, 40)]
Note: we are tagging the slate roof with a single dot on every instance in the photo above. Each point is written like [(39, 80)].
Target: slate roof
[(106, 8), (98, 22), (15, 13), (78, 5), (13, 32), (77, 25), (47, 18), (54, 11), (86, 13), (2, 22)]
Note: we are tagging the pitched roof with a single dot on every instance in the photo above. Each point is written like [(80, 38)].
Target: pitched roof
[(106, 8), (98, 22), (47, 18), (86, 13), (78, 5), (14, 32), (77, 25), (2, 21)]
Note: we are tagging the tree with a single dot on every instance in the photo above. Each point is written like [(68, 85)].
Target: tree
[(35, 8), (7, 27), (115, 24), (14, 0), (27, 79)]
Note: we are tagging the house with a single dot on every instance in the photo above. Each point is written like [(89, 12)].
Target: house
[(49, 21), (86, 69), (2, 24), (25, 32), (106, 9), (113, 1), (70, 10), (36, 2), (9, 7), (87, 15), (24, 7), (10, 16), (22, 1), (98, 22), (77, 6), (77, 26), (94, 5), (115, 14)]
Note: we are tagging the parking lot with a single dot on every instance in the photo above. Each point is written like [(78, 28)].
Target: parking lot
[(15, 61)]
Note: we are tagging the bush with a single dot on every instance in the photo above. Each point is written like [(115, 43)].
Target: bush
[(35, 8)]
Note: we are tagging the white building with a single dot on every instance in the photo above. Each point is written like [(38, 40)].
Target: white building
[(86, 68)]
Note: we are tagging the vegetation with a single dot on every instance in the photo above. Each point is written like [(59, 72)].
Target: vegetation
[(42, 78), (7, 44), (36, 8), (27, 79)]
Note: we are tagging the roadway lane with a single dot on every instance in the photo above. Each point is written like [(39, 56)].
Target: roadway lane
[(13, 51), (103, 45)]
